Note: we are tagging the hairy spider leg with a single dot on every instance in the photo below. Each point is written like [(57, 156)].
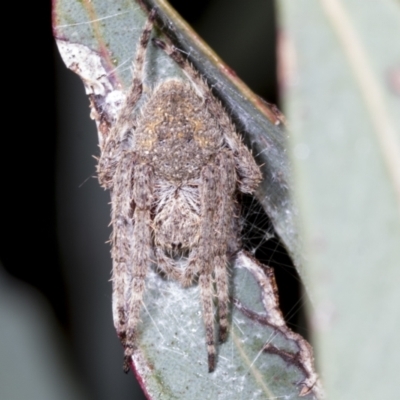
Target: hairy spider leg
[(225, 210), (121, 216), (122, 129), (140, 250), (204, 259)]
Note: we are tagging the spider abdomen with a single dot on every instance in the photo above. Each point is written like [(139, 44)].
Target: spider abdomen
[(175, 132)]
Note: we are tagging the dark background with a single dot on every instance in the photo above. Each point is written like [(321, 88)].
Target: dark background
[(54, 215)]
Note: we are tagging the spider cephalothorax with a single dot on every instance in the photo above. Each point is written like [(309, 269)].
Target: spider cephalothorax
[(174, 170)]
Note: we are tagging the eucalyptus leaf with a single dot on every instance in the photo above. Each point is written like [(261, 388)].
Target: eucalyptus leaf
[(262, 357), (341, 73), (110, 30)]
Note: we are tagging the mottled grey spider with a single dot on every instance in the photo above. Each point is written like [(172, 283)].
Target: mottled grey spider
[(174, 170)]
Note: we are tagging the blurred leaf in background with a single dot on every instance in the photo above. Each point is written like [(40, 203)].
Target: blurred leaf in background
[(340, 72), (34, 363)]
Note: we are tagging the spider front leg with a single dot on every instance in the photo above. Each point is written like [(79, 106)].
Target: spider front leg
[(119, 137), (140, 246)]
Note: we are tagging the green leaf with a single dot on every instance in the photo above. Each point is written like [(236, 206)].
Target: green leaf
[(262, 357), (340, 69), (110, 32)]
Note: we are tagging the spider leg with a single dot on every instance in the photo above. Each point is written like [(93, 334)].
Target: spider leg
[(225, 213), (206, 290), (136, 88), (248, 171), (204, 257), (121, 217), (216, 231), (140, 251), (120, 135)]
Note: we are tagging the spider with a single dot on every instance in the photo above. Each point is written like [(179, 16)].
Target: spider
[(174, 170)]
